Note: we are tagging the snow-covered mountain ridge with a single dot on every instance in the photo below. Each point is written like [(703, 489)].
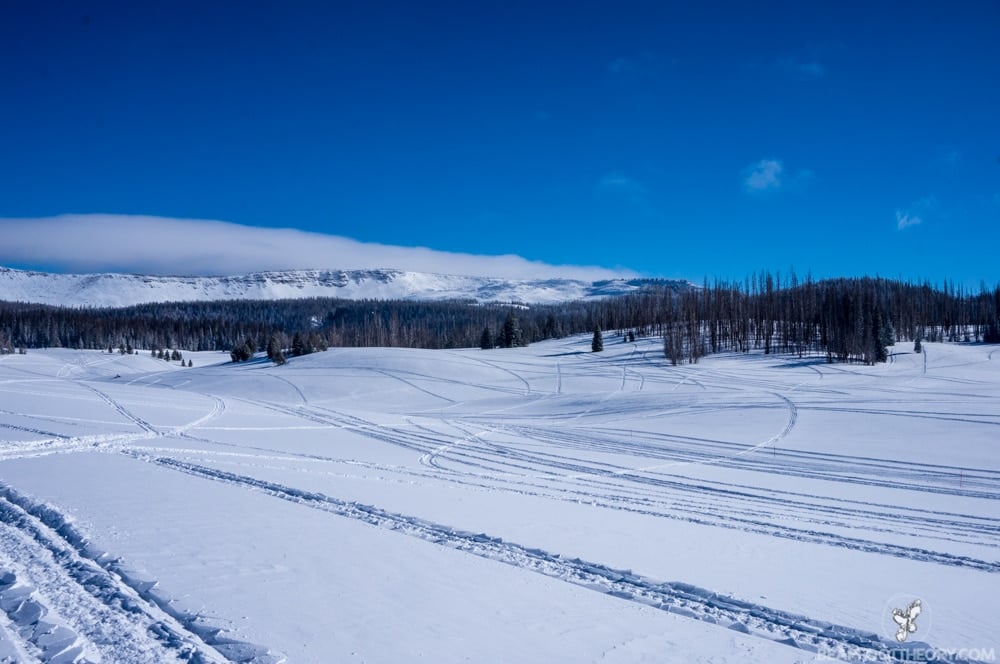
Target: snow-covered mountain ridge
[(118, 290)]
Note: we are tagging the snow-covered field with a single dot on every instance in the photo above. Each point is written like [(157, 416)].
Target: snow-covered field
[(541, 504)]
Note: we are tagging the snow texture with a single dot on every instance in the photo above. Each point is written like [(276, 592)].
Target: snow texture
[(534, 504)]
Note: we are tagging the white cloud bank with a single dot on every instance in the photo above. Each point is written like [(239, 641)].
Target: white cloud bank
[(165, 246)]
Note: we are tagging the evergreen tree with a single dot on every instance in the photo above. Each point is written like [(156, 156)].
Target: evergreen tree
[(882, 337), (486, 339), (273, 346), (176, 355), (511, 335), (241, 353), (552, 329), (597, 345), (917, 348), (274, 351), (298, 345)]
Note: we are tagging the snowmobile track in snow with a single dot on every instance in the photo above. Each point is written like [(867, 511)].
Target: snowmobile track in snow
[(797, 631), (66, 603)]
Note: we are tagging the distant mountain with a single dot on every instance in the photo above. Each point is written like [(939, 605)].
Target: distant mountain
[(118, 290)]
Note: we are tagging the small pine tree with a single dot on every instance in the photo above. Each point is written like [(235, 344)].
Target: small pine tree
[(597, 345), (273, 346), (274, 351), (511, 335), (241, 353), (298, 345), (917, 348), (486, 339), (882, 337), (176, 355)]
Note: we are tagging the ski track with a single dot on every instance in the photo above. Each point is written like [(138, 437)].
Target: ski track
[(737, 516), (292, 385), (527, 385), (579, 457), (674, 597), (500, 461), (68, 603)]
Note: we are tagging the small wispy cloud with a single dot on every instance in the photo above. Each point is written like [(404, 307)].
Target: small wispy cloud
[(915, 213), (770, 175), (765, 175), (619, 182), (801, 70), (160, 245), (906, 219)]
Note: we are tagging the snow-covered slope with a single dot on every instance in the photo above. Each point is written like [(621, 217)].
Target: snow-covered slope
[(539, 504), (116, 290)]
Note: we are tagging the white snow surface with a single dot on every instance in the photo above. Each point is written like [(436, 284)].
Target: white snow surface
[(542, 504), (119, 290)]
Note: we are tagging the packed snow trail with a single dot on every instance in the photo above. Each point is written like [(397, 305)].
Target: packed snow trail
[(69, 604), (793, 630)]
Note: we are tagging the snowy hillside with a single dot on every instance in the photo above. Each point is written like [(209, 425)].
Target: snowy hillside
[(115, 290), (538, 504)]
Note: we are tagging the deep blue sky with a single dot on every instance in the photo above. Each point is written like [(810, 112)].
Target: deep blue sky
[(841, 138)]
